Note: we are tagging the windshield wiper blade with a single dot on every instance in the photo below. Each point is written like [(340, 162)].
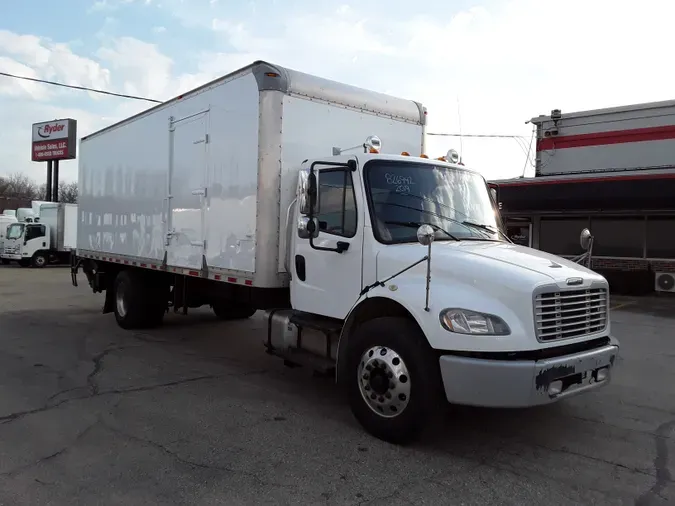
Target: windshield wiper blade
[(486, 228), (415, 224)]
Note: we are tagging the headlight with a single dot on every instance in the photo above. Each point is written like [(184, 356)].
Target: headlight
[(464, 321)]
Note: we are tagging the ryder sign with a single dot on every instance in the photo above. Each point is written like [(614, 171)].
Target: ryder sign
[(54, 140)]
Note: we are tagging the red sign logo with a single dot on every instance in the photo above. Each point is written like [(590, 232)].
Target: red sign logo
[(46, 131)]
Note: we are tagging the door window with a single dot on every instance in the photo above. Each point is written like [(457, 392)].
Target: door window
[(34, 231), (337, 203)]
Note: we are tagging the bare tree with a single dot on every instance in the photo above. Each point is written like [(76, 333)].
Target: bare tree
[(68, 192), (19, 186)]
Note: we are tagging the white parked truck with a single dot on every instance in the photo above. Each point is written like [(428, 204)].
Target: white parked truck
[(5, 221), (49, 237), (386, 269)]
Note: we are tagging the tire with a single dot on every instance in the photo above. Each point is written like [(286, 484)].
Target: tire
[(39, 260), (232, 311), (137, 304), (400, 414)]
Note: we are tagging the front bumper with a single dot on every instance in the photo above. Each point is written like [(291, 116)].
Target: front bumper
[(524, 383), (8, 256)]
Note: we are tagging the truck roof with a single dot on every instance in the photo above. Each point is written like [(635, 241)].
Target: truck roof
[(607, 110), (270, 76), (366, 157)]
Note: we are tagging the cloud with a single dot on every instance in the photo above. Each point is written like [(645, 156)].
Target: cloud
[(499, 63)]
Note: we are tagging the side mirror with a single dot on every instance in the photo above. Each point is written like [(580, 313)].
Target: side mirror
[(308, 192), (308, 228), (425, 235), (585, 239)]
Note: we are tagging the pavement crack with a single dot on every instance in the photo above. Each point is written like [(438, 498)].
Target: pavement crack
[(54, 455), (120, 391), (661, 465), (193, 463)]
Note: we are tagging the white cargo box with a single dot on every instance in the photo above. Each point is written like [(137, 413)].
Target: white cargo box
[(201, 184), (62, 221)]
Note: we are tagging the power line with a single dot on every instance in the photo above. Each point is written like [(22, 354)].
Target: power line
[(489, 136), (133, 97), (84, 88)]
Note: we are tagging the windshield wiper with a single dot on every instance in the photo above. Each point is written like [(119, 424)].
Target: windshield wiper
[(415, 224), (486, 228)]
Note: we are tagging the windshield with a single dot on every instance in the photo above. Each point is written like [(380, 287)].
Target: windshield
[(14, 231), (404, 195)]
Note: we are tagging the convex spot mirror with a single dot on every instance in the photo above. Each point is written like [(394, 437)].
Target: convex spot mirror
[(308, 228), (585, 239), (425, 235)]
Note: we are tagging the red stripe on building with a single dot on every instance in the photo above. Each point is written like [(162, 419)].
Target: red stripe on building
[(606, 138), (546, 180)]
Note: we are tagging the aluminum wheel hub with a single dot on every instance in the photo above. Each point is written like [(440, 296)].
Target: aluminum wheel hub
[(384, 381)]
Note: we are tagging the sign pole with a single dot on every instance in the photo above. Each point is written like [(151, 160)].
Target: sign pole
[(48, 190), (55, 188)]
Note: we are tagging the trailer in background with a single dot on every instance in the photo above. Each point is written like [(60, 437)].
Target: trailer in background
[(612, 171)]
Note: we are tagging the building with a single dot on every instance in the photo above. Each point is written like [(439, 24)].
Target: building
[(611, 171)]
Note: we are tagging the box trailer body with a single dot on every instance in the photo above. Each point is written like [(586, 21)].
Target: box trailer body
[(274, 190), (638, 138), (204, 182)]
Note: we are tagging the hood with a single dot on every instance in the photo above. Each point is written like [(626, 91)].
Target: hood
[(490, 261)]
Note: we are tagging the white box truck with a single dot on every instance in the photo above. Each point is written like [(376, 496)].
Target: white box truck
[(371, 261), (5, 221), (49, 237)]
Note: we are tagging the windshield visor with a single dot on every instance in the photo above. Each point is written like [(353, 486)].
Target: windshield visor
[(404, 195)]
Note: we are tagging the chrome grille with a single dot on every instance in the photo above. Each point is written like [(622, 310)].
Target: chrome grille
[(570, 314)]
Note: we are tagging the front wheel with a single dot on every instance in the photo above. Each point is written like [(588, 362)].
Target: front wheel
[(39, 260), (394, 382)]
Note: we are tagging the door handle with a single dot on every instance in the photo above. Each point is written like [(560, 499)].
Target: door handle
[(342, 246)]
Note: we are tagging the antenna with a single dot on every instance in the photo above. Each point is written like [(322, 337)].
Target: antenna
[(459, 119)]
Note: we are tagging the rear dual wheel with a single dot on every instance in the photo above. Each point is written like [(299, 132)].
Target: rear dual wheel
[(140, 302)]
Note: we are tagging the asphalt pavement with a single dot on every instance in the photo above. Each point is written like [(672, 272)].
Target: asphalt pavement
[(197, 413)]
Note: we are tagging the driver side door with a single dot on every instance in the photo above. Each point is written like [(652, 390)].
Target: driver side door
[(326, 282)]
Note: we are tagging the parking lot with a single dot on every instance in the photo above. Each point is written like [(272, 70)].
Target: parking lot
[(197, 413)]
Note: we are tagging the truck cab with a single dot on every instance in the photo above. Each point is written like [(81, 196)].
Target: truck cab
[(28, 244), (407, 256)]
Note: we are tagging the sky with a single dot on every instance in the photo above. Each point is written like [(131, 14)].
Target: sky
[(480, 67)]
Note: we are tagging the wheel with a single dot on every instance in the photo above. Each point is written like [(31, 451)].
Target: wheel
[(138, 304), (232, 311), (39, 260), (394, 382)]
